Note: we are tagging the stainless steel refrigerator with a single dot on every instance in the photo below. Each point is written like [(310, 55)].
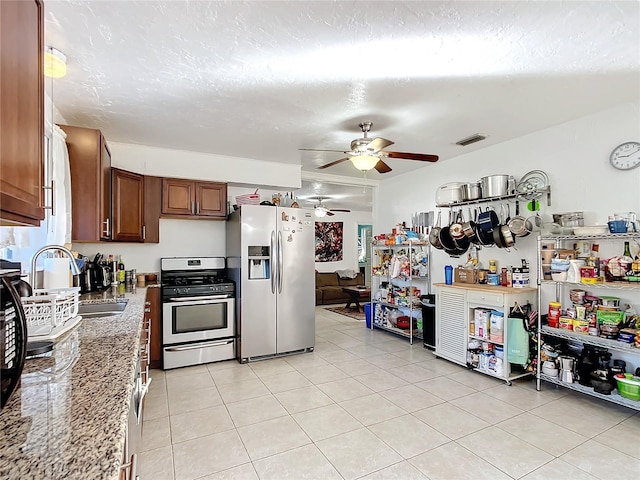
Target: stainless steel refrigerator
[(270, 256)]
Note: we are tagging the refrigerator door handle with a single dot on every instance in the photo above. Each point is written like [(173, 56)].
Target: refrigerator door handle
[(272, 259), (280, 262)]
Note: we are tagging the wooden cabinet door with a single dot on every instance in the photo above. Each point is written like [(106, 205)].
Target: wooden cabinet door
[(211, 199), (178, 196), (105, 180), (152, 209), (128, 206), (90, 165), (22, 112), (154, 306), (451, 324)]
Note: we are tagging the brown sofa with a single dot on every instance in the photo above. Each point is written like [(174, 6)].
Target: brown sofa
[(329, 287)]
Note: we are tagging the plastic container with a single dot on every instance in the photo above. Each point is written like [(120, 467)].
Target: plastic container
[(367, 314), (628, 386), (448, 274), (618, 226)]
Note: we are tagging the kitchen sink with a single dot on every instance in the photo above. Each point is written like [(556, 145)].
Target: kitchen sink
[(91, 310)]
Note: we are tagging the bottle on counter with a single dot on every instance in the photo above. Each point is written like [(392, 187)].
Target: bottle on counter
[(503, 277), (121, 272), (627, 250), (493, 266), (113, 267)]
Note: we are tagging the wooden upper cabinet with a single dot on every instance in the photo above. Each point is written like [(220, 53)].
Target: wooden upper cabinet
[(22, 113), (152, 209), (90, 165), (188, 198), (128, 206), (211, 199), (178, 197)]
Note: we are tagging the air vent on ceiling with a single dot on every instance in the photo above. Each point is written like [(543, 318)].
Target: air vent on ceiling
[(469, 140)]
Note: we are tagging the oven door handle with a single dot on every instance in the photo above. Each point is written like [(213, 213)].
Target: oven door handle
[(195, 346), (196, 300)]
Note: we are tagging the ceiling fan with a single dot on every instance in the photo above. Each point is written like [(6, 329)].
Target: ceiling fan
[(320, 210), (367, 153)]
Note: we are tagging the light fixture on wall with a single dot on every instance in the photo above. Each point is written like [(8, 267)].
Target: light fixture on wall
[(55, 63), (364, 162), (320, 211)]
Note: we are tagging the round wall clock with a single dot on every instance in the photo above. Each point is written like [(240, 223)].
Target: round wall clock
[(626, 156)]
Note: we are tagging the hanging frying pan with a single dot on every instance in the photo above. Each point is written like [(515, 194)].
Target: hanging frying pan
[(517, 225), (434, 234)]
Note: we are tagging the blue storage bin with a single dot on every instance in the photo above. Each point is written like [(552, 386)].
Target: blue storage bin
[(367, 314)]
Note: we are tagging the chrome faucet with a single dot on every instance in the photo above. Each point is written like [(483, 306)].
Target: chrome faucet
[(74, 265)]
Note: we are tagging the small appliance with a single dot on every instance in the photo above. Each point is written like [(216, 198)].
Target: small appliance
[(567, 365), (13, 334)]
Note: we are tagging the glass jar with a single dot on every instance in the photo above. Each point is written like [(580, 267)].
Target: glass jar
[(493, 266)]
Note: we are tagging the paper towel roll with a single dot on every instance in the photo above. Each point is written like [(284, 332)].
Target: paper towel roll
[(56, 273)]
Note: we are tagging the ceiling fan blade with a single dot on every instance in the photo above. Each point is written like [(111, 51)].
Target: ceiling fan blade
[(340, 210), (329, 214), (378, 144), (320, 150), (382, 167), (333, 163), (422, 157)]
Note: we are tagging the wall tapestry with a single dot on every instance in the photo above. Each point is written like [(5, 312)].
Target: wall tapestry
[(328, 241)]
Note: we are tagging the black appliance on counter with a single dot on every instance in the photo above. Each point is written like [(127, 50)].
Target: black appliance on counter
[(95, 275), (198, 311), (13, 334)]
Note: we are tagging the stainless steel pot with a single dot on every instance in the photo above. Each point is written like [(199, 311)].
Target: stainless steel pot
[(471, 191), (495, 185)]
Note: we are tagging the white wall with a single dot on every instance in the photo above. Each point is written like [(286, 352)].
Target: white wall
[(207, 238), (165, 162), (177, 238), (575, 155), (350, 240)]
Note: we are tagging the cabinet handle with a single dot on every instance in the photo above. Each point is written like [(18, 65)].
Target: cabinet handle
[(51, 207), (197, 208), (132, 466), (193, 210), (107, 230), (144, 232)]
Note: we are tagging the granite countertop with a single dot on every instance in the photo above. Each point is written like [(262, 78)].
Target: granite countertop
[(68, 418)]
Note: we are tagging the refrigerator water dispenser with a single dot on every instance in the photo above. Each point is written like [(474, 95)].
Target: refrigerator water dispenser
[(258, 262)]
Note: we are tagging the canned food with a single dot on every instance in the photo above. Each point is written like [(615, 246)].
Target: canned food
[(577, 295)]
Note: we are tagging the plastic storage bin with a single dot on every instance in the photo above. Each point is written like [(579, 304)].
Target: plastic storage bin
[(367, 314), (629, 386)]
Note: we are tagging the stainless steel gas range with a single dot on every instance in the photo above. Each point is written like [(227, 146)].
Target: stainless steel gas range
[(198, 311)]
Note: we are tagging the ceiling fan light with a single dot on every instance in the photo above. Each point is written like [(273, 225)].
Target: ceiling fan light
[(55, 63), (320, 212), (364, 162)]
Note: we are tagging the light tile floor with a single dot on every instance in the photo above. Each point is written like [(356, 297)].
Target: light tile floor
[(367, 405)]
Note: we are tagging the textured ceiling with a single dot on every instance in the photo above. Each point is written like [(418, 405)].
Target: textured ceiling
[(262, 79)]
